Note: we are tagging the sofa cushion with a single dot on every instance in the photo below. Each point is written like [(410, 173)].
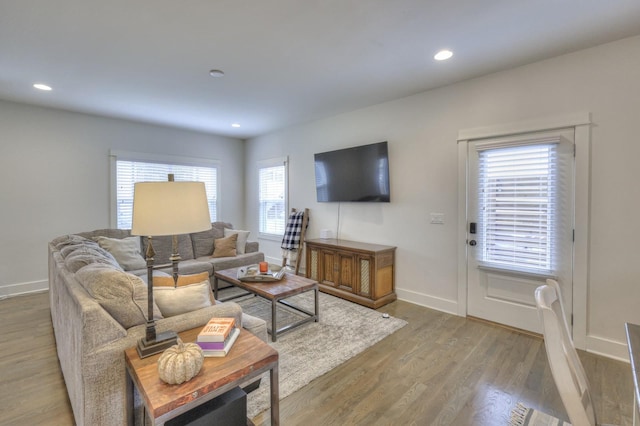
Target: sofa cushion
[(179, 300), (220, 263), (225, 247), (67, 240), (163, 246), (90, 248), (203, 241), (106, 232), (121, 294), (125, 250), (67, 249), (79, 259), (167, 280), (243, 236)]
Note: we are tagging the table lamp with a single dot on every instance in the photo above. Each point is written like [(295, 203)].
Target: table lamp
[(160, 209)]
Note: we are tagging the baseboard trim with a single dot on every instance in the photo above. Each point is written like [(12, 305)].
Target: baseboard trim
[(431, 302), (278, 261), (23, 288), (608, 348)]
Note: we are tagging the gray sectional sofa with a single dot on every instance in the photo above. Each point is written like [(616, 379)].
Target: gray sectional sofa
[(98, 310)]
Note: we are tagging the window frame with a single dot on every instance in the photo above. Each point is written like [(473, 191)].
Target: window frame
[(117, 155), (268, 163)]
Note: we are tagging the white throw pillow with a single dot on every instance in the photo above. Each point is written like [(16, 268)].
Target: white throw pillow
[(125, 250), (178, 300), (243, 236)]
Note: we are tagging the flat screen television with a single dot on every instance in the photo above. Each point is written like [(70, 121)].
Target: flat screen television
[(360, 174)]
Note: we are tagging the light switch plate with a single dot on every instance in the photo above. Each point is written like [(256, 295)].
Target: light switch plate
[(437, 218)]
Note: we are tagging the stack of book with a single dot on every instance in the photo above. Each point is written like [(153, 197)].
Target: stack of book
[(218, 336)]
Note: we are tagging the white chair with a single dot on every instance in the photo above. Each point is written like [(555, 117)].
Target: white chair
[(566, 368)]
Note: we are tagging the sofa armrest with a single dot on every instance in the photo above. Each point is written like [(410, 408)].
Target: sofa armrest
[(252, 247), (255, 325), (103, 370)]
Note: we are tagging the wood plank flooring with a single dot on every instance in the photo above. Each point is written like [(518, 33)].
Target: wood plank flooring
[(438, 370), (32, 390)]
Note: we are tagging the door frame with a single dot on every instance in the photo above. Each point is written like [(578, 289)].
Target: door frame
[(581, 122)]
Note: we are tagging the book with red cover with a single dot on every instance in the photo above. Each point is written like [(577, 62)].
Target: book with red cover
[(216, 330)]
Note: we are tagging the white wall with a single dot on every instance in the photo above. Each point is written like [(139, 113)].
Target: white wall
[(422, 132), (55, 179)]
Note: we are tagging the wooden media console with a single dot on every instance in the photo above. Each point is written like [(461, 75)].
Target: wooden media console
[(360, 272)]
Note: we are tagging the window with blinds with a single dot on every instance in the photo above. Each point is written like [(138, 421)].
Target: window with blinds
[(272, 181), (518, 193), (130, 172)]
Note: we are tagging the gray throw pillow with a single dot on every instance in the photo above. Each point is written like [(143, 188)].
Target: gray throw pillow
[(125, 250), (76, 260), (85, 245), (121, 294), (66, 240)]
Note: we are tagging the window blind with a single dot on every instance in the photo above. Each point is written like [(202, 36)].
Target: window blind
[(518, 206), (130, 172), (272, 198)]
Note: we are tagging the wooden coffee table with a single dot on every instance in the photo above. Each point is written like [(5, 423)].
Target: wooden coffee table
[(276, 292), (248, 358)]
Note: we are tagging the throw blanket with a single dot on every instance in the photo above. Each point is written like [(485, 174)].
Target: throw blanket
[(523, 416), (291, 238)]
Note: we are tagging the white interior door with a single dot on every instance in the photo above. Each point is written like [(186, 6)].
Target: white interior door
[(520, 202)]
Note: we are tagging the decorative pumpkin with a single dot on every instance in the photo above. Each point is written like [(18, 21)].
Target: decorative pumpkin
[(180, 363)]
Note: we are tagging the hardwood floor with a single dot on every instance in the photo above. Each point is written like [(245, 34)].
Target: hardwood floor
[(438, 370), (32, 390)]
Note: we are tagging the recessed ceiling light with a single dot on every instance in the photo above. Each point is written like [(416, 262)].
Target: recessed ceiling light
[(216, 73), (235, 125), (41, 86), (443, 55)]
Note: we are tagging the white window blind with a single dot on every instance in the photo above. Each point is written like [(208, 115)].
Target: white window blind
[(130, 172), (272, 181), (519, 214)]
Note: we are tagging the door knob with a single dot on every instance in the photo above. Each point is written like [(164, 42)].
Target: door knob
[(472, 243)]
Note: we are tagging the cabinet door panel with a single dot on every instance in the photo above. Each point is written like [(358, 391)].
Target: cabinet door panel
[(328, 266), (347, 272)]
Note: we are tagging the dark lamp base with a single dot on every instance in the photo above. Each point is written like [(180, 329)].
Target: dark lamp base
[(162, 342)]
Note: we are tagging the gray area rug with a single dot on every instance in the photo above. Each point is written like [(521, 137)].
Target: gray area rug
[(345, 329)]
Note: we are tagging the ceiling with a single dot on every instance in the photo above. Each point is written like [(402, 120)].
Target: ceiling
[(285, 61)]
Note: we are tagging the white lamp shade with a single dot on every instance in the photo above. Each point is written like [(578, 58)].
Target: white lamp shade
[(169, 208)]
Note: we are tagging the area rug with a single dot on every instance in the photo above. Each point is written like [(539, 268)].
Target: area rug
[(345, 329), (524, 416)]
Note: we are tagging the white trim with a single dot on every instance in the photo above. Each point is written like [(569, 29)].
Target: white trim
[(431, 302), (462, 228), (115, 155), (18, 289), (163, 158), (581, 122), (608, 348), (273, 162), (535, 125), (582, 207), (270, 237)]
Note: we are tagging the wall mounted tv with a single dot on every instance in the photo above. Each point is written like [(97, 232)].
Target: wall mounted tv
[(360, 173)]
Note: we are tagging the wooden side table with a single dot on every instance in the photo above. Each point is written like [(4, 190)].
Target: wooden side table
[(248, 358)]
